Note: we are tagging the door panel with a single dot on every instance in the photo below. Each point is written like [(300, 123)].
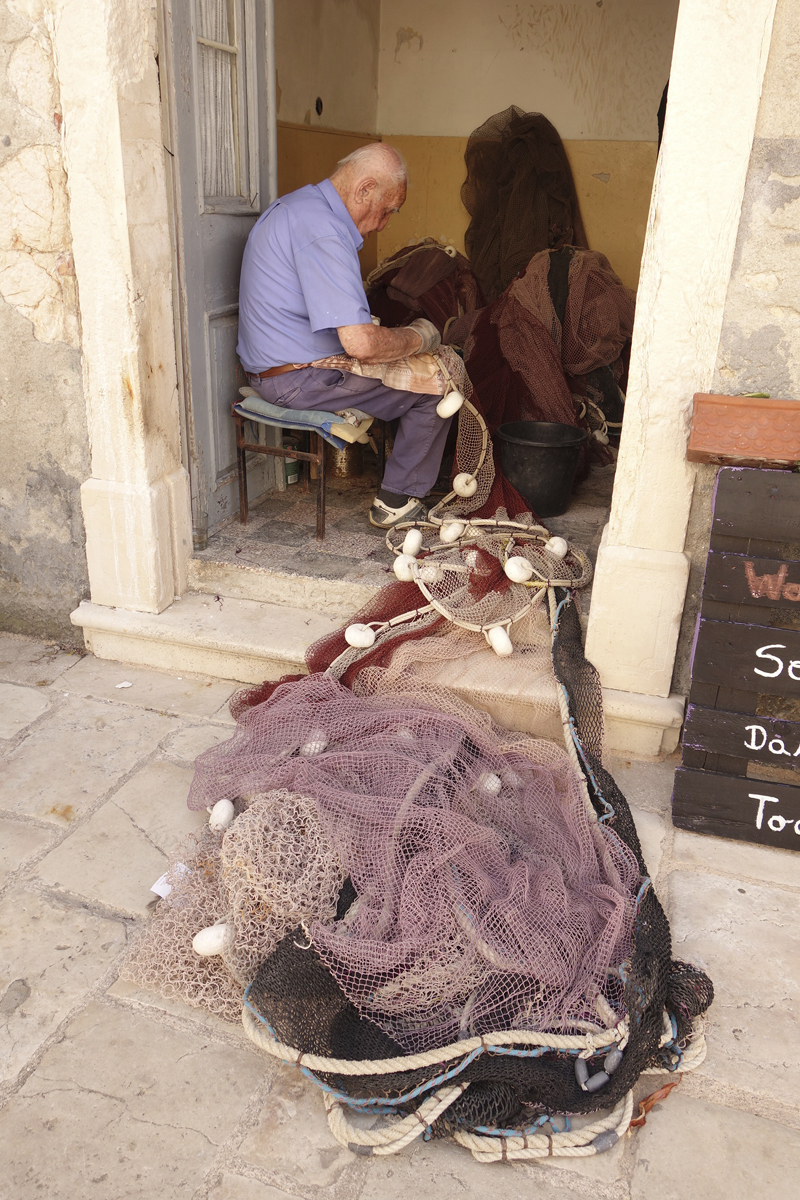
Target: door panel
[(221, 180)]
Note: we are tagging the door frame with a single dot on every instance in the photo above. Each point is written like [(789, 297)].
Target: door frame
[(191, 452)]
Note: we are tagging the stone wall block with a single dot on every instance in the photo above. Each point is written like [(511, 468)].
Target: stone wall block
[(637, 601), (129, 544)]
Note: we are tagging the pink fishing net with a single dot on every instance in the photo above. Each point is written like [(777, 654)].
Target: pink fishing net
[(487, 895)]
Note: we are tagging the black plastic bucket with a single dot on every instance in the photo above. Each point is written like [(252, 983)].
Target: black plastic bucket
[(539, 459)]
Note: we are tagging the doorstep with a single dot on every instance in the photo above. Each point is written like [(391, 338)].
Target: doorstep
[(250, 641)]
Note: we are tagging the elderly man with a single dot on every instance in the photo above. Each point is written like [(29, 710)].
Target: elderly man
[(301, 299)]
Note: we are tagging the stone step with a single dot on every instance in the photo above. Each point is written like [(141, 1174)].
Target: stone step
[(338, 598), (219, 636), (250, 641)]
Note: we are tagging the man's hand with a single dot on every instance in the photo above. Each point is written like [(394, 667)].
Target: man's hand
[(372, 343)]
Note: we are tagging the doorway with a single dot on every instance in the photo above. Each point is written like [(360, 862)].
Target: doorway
[(220, 136)]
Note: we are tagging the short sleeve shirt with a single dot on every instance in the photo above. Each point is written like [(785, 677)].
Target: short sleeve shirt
[(301, 280)]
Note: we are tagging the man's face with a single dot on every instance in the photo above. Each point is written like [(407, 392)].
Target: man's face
[(374, 206)]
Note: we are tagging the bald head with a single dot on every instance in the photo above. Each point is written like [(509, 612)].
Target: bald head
[(372, 184)]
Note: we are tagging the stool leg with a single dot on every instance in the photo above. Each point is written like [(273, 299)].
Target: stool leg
[(241, 467), (305, 466), (321, 488)]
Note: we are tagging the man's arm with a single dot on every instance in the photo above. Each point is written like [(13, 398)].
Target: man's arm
[(372, 343)]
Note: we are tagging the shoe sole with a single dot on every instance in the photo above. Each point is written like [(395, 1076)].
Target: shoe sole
[(419, 516)]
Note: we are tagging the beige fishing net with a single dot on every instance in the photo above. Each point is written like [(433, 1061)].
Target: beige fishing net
[(272, 870)]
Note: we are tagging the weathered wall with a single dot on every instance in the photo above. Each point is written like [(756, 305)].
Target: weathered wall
[(328, 49), (595, 69), (44, 448), (308, 155), (613, 181), (759, 349)]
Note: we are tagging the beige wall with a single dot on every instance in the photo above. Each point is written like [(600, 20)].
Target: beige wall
[(309, 155), (613, 180), (595, 69), (328, 48)]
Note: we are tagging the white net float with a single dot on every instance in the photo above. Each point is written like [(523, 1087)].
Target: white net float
[(491, 783), (318, 738), (500, 641), (360, 636), (558, 547), (211, 940), (518, 569), (449, 405), (412, 543), (403, 569), (465, 485), (222, 815), (451, 531)]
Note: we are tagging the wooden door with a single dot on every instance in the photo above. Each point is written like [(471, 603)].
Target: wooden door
[(221, 129)]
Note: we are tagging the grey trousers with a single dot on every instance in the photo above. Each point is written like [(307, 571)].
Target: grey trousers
[(413, 465)]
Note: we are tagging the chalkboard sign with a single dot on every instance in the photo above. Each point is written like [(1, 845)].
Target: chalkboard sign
[(744, 703)]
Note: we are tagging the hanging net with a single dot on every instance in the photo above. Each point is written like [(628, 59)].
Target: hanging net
[(520, 196)]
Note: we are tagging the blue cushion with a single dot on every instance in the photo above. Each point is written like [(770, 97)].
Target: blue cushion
[(256, 409)]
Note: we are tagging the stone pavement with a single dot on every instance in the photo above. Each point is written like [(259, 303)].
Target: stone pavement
[(109, 1092)]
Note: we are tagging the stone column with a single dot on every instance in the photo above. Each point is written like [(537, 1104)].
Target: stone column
[(136, 503), (718, 65)]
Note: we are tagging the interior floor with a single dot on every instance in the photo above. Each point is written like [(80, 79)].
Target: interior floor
[(281, 533)]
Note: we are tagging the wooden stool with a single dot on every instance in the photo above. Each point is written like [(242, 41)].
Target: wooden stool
[(306, 456)]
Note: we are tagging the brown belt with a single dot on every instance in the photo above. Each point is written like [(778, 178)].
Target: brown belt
[(272, 371)]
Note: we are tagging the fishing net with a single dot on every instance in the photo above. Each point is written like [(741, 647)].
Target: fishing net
[(520, 195), (444, 922)]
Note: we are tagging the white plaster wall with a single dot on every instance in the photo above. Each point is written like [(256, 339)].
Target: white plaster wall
[(689, 253), (328, 48), (44, 445), (595, 68), (136, 503), (759, 345)]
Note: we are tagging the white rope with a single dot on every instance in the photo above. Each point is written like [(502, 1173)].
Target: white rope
[(587, 1042), (397, 1133)]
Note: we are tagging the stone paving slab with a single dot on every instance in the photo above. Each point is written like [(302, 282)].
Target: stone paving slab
[(138, 998), (107, 861), (75, 755), (127, 1105), (748, 939), (690, 1148), (741, 859), (644, 784), (190, 695), (25, 660), (186, 743), (155, 800), (19, 842), (292, 1140), (51, 955), (18, 707), (652, 831), (445, 1171), (238, 1187)]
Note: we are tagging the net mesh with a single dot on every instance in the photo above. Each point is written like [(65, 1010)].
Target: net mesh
[(403, 872), (520, 195)]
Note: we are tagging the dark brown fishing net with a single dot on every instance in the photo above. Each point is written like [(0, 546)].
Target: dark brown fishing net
[(520, 195)]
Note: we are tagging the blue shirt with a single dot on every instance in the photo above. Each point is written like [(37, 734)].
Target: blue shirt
[(301, 279)]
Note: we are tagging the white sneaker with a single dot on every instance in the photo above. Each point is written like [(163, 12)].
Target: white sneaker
[(384, 517)]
